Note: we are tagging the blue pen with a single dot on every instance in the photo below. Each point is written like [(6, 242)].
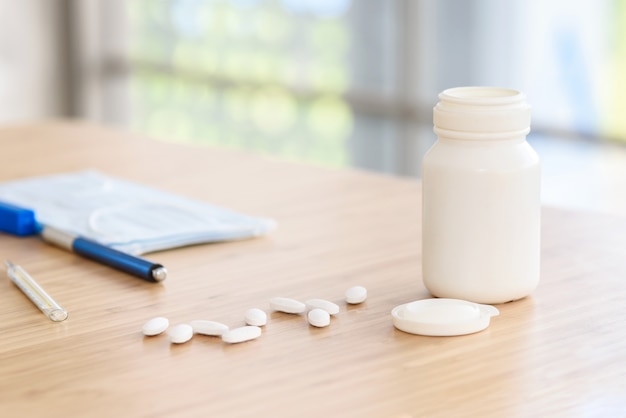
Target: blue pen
[(105, 255), (20, 221)]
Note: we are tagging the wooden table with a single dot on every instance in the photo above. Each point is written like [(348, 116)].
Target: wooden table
[(559, 352)]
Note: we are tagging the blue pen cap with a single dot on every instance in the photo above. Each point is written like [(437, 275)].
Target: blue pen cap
[(17, 221)]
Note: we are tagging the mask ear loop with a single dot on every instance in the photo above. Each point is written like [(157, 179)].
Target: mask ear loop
[(174, 224), (98, 213), (195, 220), (108, 237), (87, 185)]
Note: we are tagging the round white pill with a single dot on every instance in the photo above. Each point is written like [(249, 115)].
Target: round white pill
[(256, 317), (241, 334), (356, 295), (155, 326), (326, 305), (203, 327), (287, 305), (319, 318), (181, 333)]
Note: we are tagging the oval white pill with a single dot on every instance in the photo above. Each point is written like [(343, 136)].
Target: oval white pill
[(319, 318), (356, 294), (256, 317), (203, 327), (241, 334), (181, 333), (155, 326), (326, 305), (287, 305)]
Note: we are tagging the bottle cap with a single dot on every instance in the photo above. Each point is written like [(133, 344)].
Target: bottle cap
[(442, 317)]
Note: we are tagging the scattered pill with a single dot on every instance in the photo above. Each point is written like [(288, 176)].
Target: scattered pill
[(319, 318), (241, 334), (356, 295), (287, 305), (155, 326), (181, 333), (326, 305), (203, 327), (256, 317)]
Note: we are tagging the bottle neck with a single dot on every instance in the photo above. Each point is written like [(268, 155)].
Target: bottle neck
[(508, 136), (481, 113)]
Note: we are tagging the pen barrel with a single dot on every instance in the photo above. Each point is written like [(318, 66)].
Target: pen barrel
[(136, 266)]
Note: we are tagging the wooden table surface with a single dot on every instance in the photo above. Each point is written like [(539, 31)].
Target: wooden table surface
[(559, 352)]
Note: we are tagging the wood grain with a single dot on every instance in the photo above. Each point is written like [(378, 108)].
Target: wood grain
[(559, 352)]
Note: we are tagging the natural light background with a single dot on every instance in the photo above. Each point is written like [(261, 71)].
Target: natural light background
[(330, 82), (262, 75), (353, 82), (297, 79)]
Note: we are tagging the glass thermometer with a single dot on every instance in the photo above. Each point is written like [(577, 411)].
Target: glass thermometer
[(35, 293)]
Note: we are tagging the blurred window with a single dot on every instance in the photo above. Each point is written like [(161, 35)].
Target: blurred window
[(295, 78), (345, 82)]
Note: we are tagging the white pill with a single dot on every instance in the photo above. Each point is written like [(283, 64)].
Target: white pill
[(287, 305), (155, 326), (319, 318), (203, 327), (181, 333), (241, 334), (326, 305), (256, 317), (356, 294)]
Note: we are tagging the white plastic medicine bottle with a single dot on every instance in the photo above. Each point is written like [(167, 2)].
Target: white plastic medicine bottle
[(481, 198)]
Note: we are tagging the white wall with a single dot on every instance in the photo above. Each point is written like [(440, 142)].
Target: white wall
[(31, 60)]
